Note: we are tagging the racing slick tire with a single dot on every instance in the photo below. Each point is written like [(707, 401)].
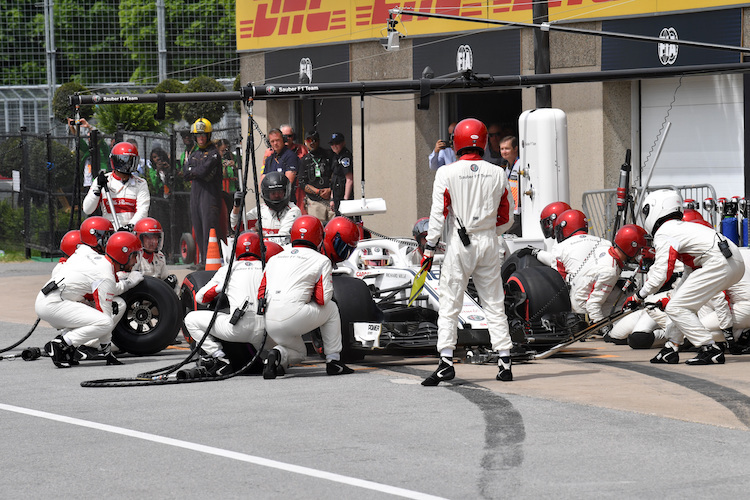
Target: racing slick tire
[(514, 263), (355, 304), (152, 318), (190, 286)]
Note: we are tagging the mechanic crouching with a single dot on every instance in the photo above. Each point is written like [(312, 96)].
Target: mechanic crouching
[(298, 289), (61, 302), (471, 206), (712, 264), (241, 324)]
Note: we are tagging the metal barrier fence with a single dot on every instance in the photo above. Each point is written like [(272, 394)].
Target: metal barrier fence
[(56, 175), (600, 206)]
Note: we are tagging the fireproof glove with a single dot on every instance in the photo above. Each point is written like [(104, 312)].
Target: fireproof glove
[(632, 302), (171, 280), (238, 198), (101, 180), (427, 256), (661, 304), (528, 251), (134, 277)]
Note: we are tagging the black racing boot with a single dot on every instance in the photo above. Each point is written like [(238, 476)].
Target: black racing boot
[(272, 365), (707, 355), (668, 355), (60, 352), (336, 367), (445, 371), (217, 366), (504, 374)]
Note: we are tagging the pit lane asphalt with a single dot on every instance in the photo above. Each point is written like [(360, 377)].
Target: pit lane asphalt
[(597, 421)]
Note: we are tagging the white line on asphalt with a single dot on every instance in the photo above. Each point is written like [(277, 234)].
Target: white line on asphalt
[(360, 483)]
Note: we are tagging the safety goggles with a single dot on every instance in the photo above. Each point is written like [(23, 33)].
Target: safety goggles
[(342, 248)]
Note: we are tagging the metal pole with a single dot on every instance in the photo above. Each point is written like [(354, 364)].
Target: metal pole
[(49, 41), (161, 33), (541, 53)]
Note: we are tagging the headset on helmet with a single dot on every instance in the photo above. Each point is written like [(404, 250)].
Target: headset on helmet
[(272, 248), (570, 222), (95, 231), (124, 158), (147, 228), (307, 231), (631, 240), (692, 215), (470, 134), (248, 246), (70, 242), (549, 216), (659, 207), (341, 238), (276, 190), (121, 246)]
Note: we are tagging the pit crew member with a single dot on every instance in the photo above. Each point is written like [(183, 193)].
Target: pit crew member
[(712, 264), (61, 301), (471, 206), (298, 289), (277, 214), (129, 193), (151, 259), (240, 324)]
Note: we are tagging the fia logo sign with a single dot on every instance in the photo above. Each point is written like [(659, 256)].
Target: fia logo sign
[(668, 51), (464, 59)]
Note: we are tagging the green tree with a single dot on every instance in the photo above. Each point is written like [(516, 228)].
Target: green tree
[(212, 111), (22, 49), (61, 105), (128, 116)]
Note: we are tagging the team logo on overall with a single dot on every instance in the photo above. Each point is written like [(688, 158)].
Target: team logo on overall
[(474, 167), (475, 317), (294, 251)]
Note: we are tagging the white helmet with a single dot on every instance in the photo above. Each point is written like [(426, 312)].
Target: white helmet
[(658, 207)]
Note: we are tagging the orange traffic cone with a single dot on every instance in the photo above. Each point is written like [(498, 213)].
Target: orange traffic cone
[(213, 255)]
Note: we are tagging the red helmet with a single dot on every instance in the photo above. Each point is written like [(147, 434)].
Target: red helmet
[(631, 239), (124, 158), (549, 216), (149, 226), (95, 231), (248, 246), (307, 231), (691, 215), (469, 134), (272, 248), (570, 222), (341, 237), (70, 242), (121, 246)]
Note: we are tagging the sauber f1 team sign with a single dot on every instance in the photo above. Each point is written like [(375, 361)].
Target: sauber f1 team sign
[(263, 24)]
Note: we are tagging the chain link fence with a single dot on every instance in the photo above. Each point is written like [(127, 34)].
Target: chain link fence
[(55, 173)]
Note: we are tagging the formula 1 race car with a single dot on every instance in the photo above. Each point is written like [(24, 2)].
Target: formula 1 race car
[(372, 289)]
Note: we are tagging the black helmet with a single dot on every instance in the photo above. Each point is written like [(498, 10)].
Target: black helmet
[(270, 187)]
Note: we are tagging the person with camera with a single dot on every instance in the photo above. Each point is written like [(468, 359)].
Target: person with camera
[(127, 193), (240, 324), (471, 207), (443, 154), (712, 264)]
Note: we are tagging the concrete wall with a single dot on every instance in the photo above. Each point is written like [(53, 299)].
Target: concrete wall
[(598, 113)]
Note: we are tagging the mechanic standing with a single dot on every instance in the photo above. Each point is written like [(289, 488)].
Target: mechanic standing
[(471, 206), (298, 289), (277, 214), (129, 193), (240, 324), (203, 168), (712, 264), (61, 302)]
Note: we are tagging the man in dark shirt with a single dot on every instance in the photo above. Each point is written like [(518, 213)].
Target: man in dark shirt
[(203, 168), (315, 179), (282, 159), (342, 181)]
